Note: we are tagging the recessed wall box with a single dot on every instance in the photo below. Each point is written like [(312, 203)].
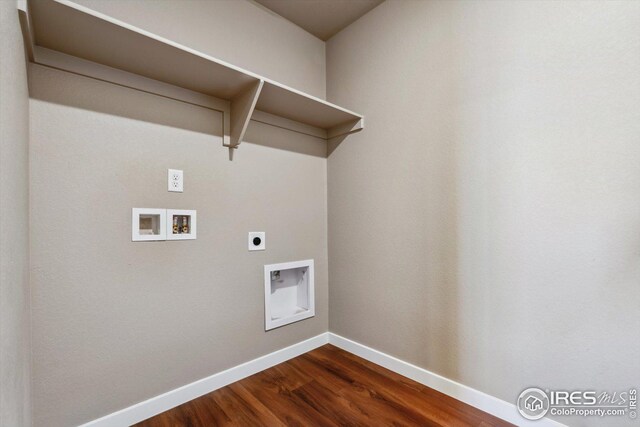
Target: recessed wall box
[(181, 224), (288, 293), (257, 241), (148, 224)]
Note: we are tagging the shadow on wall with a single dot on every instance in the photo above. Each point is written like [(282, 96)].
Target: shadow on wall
[(334, 143), (275, 137), (134, 104)]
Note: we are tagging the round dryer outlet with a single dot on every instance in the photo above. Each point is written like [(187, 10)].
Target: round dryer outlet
[(257, 241)]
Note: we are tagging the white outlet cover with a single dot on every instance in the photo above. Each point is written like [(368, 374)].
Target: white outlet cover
[(257, 241), (175, 181)]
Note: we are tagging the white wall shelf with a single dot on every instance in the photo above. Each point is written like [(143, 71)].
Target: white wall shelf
[(71, 37)]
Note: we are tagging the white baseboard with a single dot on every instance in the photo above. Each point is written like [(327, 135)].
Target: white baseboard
[(492, 405), (147, 409)]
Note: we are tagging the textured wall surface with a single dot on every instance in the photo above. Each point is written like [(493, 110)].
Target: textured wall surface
[(15, 402), (485, 224), (116, 322), (237, 31)]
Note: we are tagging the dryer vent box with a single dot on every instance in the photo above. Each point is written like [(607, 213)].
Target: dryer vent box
[(288, 292)]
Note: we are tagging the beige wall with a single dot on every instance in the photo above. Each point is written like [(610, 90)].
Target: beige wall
[(485, 224), (103, 322), (116, 322), (237, 31), (15, 402)]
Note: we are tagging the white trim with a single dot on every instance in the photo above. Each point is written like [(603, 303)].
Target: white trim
[(492, 405), (147, 409)]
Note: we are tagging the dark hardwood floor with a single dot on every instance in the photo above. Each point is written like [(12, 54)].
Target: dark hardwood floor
[(325, 387)]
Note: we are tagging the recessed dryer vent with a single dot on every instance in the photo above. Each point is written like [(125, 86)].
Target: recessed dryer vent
[(288, 293)]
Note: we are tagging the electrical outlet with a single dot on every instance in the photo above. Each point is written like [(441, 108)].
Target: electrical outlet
[(176, 180), (257, 241)]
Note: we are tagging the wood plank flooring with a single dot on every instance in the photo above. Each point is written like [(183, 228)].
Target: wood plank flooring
[(325, 387)]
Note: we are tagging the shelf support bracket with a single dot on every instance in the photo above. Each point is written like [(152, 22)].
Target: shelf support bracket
[(27, 29), (242, 106)]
